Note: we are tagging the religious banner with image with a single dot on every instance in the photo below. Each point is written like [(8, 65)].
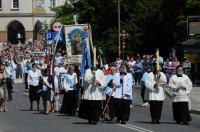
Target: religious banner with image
[(78, 44), (75, 35)]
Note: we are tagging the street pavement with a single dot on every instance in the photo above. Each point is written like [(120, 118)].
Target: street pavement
[(20, 119)]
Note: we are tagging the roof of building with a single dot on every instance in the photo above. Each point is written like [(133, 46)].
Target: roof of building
[(191, 42)]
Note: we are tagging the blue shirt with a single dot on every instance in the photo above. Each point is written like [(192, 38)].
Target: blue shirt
[(108, 89), (8, 70), (144, 76), (138, 67), (71, 80)]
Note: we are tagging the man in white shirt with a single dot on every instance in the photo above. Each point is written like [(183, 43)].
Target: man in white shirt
[(59, 69), (58, 59)]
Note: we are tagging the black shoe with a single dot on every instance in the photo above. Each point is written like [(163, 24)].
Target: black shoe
[(158, 122), (94, 122), (123, 122), (90, 121), (118, 121), (72, 114), (178, 122), (113, 121), (185, 123), (31, 108), (153, 122)]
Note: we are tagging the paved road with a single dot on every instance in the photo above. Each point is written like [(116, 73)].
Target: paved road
[(19, 119)]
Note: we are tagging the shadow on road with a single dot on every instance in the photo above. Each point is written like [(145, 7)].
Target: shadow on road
[(81, 123), (26, 110), (144, 122)]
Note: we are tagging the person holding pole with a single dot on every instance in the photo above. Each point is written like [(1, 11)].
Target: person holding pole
[(109, 90), (90, 108), (155, 82), (93, 85)]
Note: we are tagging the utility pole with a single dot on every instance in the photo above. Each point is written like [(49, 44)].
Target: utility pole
[(119, 30), (33, 19)]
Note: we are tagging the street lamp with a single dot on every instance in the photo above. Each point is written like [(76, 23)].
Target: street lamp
[(119, 30), (124, 35)]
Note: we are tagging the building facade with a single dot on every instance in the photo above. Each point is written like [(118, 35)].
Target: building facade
[(21, 19)]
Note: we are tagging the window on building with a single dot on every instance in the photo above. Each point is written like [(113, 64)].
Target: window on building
[(0, 4), (53, 3), (15, 4), (39, 4)]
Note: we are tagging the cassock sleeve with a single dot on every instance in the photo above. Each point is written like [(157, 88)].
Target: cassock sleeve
[(101, 78), (116, 81), (172, 83), (188, 85), (149, 82), (163, 78), (128, 86), (88, 76)]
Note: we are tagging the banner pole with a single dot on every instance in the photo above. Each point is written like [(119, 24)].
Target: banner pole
[(157, 60), (57, 39)]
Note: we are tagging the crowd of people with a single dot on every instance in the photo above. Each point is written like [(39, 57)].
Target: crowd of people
[(103, 92)]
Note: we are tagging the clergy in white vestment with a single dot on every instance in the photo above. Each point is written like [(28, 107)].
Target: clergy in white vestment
[(123, 94), (155, 82), (90, 108), (181, 86)]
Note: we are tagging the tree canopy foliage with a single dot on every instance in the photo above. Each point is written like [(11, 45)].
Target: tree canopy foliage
[(150, 23)]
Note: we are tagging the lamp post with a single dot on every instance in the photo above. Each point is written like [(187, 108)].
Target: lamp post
[(33, 17), (119, 30), (124, 35)]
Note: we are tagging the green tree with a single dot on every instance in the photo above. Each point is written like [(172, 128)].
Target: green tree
[(150, 23), (44, 28)]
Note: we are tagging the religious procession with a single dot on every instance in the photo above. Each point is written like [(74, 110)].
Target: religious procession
[(93, 91)]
